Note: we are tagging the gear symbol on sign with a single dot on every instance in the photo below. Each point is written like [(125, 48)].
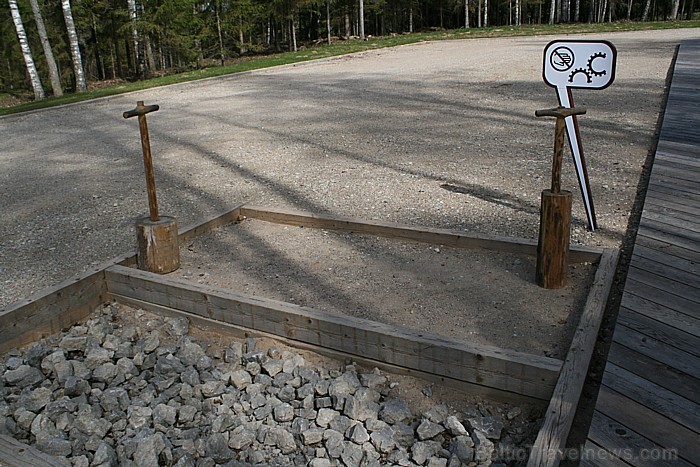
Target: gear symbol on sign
[(577, 71), (592, 70)]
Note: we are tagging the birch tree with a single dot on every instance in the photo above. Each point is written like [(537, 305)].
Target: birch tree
[(466, 14), (362, 19), (674, 10), (131, 5), (48, 53), (26, 52), (328, 20), (551, 12), (80, 84)]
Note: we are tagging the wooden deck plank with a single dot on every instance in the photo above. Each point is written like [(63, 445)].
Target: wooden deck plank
[(660, 400), (674, 251), (642, 251), (679, 230), (665, 236), (673, 189), (624, 445), (663, 212), (680, 173), (670, 273), (676, 160), (666, 333), (673, 201), (649, 424), (675, 358), (655, 371), (598, 456), (668, 155), (653, 310), (667, 175), (684, 293)]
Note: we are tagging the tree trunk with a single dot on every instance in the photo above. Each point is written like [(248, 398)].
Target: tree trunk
[(293, 31), (486, 13), (48, 53), (603, 10), (115, 46), (645, 15), (510, 12), (466, 14), (80, 84), (328, 21), (479, 17), (674, 10), (26, 52), (552, 7), (218, 30), (577, 10), (241, 38), (565, 10), (98, 58), (361, 19), (134, 36), (410, 19), (148, 50), (347, 25)]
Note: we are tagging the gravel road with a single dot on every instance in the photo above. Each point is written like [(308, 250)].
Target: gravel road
[(436, 134)]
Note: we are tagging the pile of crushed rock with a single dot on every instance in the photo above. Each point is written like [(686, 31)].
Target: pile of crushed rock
[(129, 388)]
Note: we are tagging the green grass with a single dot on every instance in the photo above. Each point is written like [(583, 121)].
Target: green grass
[(341, 48)]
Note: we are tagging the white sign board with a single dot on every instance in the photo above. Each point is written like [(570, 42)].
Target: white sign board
[(572, 65)]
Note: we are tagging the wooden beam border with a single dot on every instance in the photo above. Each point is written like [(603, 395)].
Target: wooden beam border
[(520, 373), (550, 444), (451, 238), (496, 372)]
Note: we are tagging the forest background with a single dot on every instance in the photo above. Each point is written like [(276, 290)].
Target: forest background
[(57, 47)]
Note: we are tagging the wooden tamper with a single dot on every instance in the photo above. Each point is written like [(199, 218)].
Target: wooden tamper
[(156, 237), (555, 212)]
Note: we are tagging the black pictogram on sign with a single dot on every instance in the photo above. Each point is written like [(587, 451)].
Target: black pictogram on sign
[(561, 59)]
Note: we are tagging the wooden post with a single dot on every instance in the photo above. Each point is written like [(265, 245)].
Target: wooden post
[(157, 246), (553, 244), (555, 213)]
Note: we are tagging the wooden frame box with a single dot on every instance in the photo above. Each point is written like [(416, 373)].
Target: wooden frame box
[(485, 370)]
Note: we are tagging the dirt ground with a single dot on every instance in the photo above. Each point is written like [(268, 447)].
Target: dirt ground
[(480, 297)]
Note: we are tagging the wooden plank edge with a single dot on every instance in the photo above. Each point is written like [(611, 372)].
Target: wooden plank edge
[(551, 439), (14, 453), (505, 369), (577, 253), (242, 332), (53, 308), (196, 229)]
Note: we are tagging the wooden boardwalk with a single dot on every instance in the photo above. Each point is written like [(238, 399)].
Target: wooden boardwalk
[(648, 408)]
